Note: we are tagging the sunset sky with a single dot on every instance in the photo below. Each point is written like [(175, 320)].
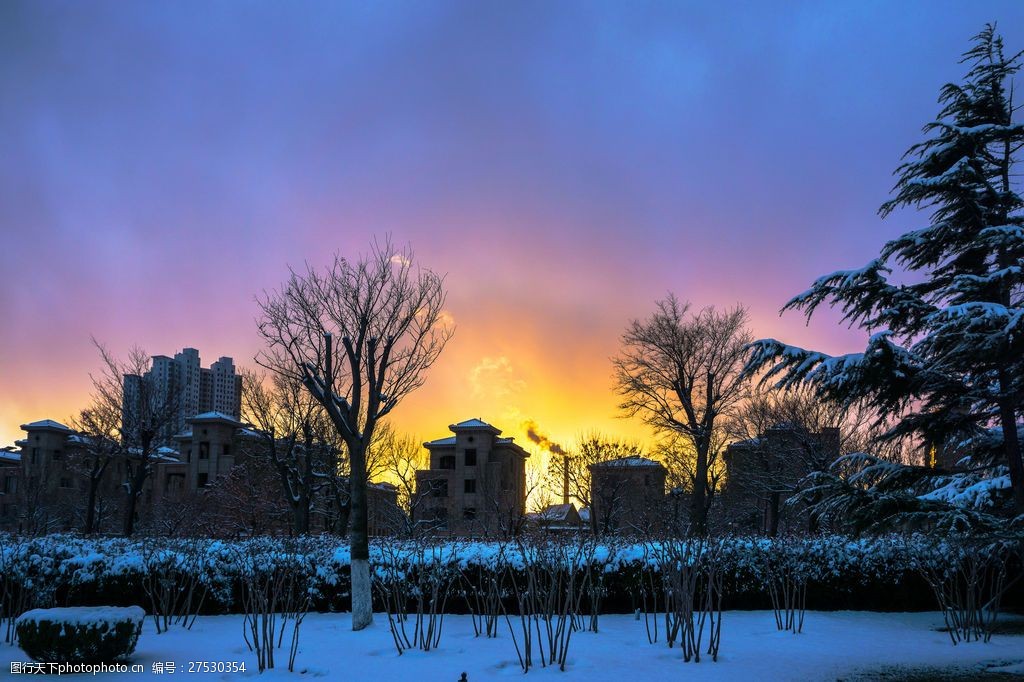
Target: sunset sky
[(564, 163)]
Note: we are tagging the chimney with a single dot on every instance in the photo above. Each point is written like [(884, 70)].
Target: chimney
[(565, 478)]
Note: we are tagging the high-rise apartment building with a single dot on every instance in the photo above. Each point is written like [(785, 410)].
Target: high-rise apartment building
[(198, 389)]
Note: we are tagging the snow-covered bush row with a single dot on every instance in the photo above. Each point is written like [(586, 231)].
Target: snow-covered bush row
[(63, 570)]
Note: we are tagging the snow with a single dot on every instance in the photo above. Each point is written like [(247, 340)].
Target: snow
[(833, 645), (475, 423), (633, 461), (84, 615), (965, 491), (214, 415), (441, 441), (45, 424)]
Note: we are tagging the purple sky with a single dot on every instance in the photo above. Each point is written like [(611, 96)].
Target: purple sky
[(565, 164)]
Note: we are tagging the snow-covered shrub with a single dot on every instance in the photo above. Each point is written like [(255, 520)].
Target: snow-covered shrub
[(64, 570), (173, 581), (275, 579), (968, 577), (80, 635)]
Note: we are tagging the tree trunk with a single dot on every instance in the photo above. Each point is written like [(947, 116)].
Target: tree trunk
[(772, 522), (698, 507), (90, 510), (359, 539), (128, 524), (300, 516), (135, 482), (1011, 444)]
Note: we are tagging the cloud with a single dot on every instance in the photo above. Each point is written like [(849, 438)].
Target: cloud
[(495, 378)]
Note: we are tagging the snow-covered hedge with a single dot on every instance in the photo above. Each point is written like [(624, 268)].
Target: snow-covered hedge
[(72, 570), (103, 634)]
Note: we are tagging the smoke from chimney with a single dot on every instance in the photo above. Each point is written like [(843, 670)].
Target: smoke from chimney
[(534, 434), (554, 448)]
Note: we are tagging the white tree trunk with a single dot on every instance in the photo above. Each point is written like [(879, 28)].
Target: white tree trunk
[(362, 597)]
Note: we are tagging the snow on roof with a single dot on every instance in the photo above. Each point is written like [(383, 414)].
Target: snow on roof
[(632, 461), (556, 512), (211, 416), (250, 433), (585, 514), (475, 423), (45, 424), (450, 440), (187, 433), (10, 456)]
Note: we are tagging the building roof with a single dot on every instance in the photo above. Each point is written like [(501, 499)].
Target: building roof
[(9, 455), (631, 461), (215, 417), (475, 423), (557, 512), (45, 424)]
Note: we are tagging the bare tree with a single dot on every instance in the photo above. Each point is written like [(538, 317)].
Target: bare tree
[(238, 502), (147, 409), (290, 425), (681, 373), (400, 457), (388, 315), (99, 443)]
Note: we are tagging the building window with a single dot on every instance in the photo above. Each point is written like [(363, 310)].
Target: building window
[(647, 479), (65, 482), (203, 478), (204, 450), (56, 455), (439, 488), (10, 485), (469, 513), (447, 462), (469, 485), (35, 455), (471, 457), (227, 449)]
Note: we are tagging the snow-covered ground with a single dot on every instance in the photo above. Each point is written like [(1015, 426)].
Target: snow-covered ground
[(834, 645)]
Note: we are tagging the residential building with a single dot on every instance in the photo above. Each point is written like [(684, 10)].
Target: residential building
[(10, 475), (627, 495), (198, 389), (476, 483), (761, 473), (44, 484)]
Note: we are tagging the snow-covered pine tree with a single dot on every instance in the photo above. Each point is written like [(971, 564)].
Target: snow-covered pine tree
[(945, 358)]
